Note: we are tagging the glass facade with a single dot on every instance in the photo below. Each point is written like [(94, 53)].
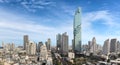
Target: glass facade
[(77, 31)]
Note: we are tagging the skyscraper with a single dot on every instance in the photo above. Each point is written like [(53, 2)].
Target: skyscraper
[(12, 46), (118, 46), (32, 48), (113, 45), (43, 53), (77, 31), (39, 45), (106, 47), (89, 46), (64, 45), (49, 44), (58, 41), (26, 41), (94, 45)]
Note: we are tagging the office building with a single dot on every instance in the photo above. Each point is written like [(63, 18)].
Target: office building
[(77, 31), (118, 46), (89, 45), (26, 40), (43, 53), (32, 48), (94, 45), (113, 45), (48, 44), (58, 41), (64, 43), (12, 46), (106, 47), (39, 45)]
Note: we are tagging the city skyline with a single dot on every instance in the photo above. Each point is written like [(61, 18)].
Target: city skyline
[(44, 19)]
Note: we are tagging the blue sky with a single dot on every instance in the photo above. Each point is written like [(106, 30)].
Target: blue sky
[(43, 19)]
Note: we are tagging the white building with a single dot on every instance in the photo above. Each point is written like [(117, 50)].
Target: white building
[(71, 55)]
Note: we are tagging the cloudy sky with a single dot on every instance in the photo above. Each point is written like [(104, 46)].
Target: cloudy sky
[(43, 19)]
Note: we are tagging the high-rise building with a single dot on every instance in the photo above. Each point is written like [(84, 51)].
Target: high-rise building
[(9, 46), (89, 44), (58, 41), (32, 48), (48, 43), (2, 44), (113, 45), (43, 53), (94, 45), (106, 47), (77, 31), (85, 48), (118, 46), (27, 47), (39, 45), (73, 45), (99, 48), (26, 40), (64, 43), (12, 46)]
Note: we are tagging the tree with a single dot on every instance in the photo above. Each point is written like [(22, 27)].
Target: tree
[(113, 57), (108, 60), (119, 55)]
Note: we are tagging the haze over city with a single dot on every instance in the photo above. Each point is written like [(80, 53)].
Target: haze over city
[(43, 19)]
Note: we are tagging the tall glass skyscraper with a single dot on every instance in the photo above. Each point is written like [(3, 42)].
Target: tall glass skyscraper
[(77, 31)]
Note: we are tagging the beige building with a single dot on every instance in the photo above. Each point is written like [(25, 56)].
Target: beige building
[(43, 53), (32, 48), (94, 47)]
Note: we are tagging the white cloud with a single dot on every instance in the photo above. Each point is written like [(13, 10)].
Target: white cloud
[(108, 19), (91, 17), (15, 26), (32, 5)]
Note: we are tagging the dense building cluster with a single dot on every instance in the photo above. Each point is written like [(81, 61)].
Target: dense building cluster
[(30, 53)]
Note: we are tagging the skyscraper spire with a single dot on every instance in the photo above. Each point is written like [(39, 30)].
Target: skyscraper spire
[(78, 10)]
